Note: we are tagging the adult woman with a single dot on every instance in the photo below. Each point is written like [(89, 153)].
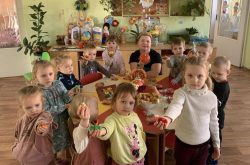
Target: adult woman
[(153, 67)]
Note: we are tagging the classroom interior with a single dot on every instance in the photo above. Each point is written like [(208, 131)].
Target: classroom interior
[(234, 44)]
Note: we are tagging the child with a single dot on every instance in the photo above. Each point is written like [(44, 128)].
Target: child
[(124, 128), (219, 71), (175, 61), (87, 150), (56, 98), (90, 65), (33, 133), (112, 57), (204, 50), (65, 72), (194, 106)]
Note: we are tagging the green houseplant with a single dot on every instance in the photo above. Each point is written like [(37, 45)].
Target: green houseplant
[(36, 44)]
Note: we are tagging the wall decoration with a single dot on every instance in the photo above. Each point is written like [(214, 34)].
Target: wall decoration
[(112, 6), (9, 28), (133, 7)]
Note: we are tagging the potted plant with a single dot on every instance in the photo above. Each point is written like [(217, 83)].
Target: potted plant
[(36, 45)]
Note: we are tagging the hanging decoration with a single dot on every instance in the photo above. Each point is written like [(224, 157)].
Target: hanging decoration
[(146, 3), (81, 5)]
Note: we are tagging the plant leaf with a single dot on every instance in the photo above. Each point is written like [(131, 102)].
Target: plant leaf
[(20, 48), (34, 16), (25, 41)]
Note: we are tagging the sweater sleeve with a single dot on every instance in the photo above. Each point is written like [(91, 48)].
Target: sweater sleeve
[(81, 139), (176, 105), (109, 125), (214, 127), (103, 70)]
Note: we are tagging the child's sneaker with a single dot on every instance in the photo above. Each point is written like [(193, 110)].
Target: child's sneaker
[(210, 161)]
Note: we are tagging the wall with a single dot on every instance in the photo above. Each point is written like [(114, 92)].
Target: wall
[(58, 17)]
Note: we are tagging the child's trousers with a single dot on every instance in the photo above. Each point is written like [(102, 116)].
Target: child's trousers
[(186, 154)]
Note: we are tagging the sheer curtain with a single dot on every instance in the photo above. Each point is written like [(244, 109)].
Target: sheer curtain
[(9, 28)]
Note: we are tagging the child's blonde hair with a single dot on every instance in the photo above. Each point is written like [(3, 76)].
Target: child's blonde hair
[(90, 101), (222, 61), (206, 45), (122, 90), (60, 59), (197, 60), (177, 41), (28, 91), (40, 64)]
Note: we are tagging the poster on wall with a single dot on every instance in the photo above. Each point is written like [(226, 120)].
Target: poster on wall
[(9, 28)]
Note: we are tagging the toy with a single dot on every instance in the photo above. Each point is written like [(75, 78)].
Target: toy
[(94, 126), (111, 53), (138, 74), (108, 92), (105, 32)]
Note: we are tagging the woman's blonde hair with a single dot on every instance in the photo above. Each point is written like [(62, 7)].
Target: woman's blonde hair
[(40, 64), (143, 34), (122, 90), (90, 101), (197, 60)]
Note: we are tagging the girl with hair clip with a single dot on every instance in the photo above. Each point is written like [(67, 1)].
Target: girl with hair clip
[(33, 133), (124, 129), (56, 99), (194, 109)]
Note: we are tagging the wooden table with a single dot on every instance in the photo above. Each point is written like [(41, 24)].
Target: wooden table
[(155, 138)]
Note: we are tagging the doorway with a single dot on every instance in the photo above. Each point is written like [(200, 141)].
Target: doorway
[(230, 29)]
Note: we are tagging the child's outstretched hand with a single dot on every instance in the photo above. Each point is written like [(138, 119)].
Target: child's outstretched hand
[(174, 81), (84, 114), (85, 59), (113, 78), (216, 154), (162, 122), (97, 133), (43, 128)]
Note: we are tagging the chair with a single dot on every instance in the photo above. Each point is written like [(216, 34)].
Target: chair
[(89, 78)]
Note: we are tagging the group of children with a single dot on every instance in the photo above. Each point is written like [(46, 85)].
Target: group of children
[(57, 120)]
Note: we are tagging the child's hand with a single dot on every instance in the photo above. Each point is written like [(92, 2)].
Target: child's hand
[(97, 133), (85, 59), (84, 114), (153, 89), (162, 122), (174, 81), (66, 106), (113, 78), (165, 58), (43, 127), (216, 154), (71, 92)]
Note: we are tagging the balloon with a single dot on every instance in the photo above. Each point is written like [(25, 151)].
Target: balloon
[(45, 56)]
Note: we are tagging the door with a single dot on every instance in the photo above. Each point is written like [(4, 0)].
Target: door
[(230, 29)]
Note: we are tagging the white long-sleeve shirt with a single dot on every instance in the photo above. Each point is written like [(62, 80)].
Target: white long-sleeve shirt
[(195, 112), (81, 139)]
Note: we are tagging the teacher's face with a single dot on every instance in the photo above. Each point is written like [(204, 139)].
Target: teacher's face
[(144, 44)]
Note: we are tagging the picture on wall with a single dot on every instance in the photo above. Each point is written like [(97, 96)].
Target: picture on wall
[(9, 28), (134, 8)]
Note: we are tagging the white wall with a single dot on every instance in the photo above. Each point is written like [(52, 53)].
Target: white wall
[(13, 63)]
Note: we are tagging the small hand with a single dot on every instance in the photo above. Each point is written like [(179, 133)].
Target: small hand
[(113, 78), (71, 92), (97, 133), (43, 127), (85, 59), (84, 114), (216, 154), (174, 81), (162, 122)]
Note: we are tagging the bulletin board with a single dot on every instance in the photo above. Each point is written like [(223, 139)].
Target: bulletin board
[(133, 8)]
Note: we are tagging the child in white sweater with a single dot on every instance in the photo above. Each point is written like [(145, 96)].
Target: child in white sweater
[(194, 107)]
